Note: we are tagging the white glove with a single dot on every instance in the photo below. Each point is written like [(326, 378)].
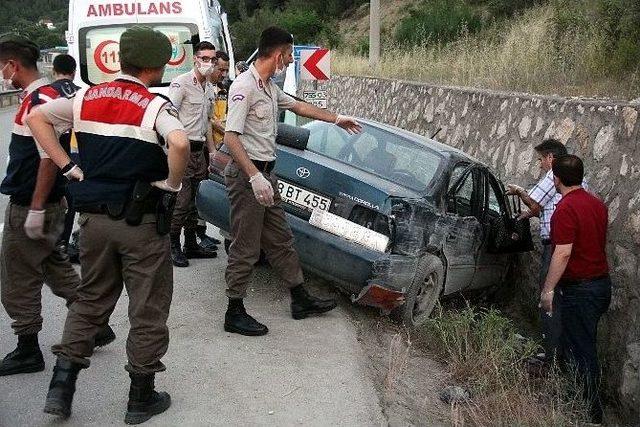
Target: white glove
[(75, 174), (34, 224), (164, 185), (514, 190), (349, 124), (262, 189)]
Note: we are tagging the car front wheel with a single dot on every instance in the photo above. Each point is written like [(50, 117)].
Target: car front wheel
[(423, 294)]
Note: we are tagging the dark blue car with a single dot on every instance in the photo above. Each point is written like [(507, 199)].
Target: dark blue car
[(409, 219)]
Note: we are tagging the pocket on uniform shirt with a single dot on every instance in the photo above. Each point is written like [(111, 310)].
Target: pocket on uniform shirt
[(263, 114)]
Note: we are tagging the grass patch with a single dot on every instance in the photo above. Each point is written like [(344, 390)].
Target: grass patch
[(525, 54), (484, 354)]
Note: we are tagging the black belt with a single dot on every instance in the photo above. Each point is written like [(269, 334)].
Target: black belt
[(546, 242), (196, 145), (25, 202), (265, 167), (102, 209), (576, 282)]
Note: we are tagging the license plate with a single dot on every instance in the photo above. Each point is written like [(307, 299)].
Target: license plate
[(302, 198)]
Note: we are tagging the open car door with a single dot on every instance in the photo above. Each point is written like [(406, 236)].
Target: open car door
[(510, 233)]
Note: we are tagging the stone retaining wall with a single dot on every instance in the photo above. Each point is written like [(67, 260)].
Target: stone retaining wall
[(501, 129)]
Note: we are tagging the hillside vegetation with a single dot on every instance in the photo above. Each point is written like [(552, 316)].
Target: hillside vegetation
[(23, 16), (566, 47)]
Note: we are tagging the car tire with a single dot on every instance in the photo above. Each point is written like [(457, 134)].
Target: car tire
[(424, 292)]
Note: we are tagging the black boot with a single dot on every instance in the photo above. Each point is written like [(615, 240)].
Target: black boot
[(26, 358), (193, 250), (62, 388), (105, 337), (177, 256), (206, 242), (303, 304), (237, 320), (144, 401)]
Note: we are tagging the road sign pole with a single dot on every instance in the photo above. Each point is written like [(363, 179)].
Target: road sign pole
[(374, 33)]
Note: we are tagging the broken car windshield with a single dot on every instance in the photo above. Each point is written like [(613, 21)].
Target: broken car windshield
[(377, 151)]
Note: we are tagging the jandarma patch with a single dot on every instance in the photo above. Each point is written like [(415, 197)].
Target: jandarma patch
[(238, 98)]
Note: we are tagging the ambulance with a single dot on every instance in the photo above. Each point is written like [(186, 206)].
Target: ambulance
[(95, 27)]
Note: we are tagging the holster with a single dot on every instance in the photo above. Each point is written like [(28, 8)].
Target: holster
[(141, 202), (164, 211)]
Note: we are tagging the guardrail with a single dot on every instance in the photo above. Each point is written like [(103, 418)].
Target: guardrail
[(9, 98)]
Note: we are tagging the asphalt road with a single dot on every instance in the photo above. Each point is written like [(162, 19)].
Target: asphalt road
[(309, 372)]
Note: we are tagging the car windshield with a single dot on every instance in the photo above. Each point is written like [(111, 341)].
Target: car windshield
[(377, 151)]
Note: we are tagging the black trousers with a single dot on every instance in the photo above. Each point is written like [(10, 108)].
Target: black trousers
[(582, 306), (551, 325)]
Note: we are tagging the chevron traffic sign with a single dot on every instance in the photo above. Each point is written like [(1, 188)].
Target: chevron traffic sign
[(316, 64)]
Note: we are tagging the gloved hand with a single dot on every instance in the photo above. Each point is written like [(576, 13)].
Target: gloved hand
[(34, 224), (349, 124), (514, 190), (75, 174), (262, 189), (164, 185)]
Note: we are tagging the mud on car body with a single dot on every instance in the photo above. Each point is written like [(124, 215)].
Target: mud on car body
[(441, 212)]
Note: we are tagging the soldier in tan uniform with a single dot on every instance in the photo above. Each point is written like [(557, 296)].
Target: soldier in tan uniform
[(257, 218), (133, 152), (192, 94), (34, 217)]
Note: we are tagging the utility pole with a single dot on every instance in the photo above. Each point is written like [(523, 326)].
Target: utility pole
[(374, 33)]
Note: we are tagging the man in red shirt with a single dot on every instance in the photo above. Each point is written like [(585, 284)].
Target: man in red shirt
[(580, 272)]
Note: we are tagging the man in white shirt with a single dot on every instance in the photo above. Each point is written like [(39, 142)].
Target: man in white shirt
[(542, 200)]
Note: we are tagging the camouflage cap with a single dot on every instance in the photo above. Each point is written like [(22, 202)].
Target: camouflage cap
[(20, 41), (143, 47)]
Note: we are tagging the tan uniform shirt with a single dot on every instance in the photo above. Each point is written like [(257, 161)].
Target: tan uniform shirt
[(253, 113), (60, 114), (193, 101)]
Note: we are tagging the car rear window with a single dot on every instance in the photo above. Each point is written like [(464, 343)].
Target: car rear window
[(377, 151), (100, 51)]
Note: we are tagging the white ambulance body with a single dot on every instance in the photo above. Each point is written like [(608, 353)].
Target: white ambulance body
[(95, 27)]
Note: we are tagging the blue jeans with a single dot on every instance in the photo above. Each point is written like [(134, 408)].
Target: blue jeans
[(582, 306)]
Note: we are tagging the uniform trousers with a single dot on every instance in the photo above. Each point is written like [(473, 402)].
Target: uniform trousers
[(255, 227), (185, 213), (26, 264), (114, 255)]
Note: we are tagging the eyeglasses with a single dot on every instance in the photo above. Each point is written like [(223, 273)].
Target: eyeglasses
[(206, 58)]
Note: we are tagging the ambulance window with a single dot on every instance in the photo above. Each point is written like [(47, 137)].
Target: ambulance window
[(99, 51)]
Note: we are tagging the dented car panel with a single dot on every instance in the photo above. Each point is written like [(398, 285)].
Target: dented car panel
[(428, 198)]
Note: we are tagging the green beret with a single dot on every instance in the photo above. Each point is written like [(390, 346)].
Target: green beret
[(20, 41), (143, 47)]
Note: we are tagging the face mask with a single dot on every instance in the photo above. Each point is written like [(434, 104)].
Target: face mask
[(205, 68), (280, 71), (7, 84)]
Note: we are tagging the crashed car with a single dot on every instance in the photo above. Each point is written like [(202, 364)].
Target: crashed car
[(394, 219)]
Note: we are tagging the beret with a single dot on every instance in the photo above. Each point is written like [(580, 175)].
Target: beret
[(16, 39), (143, 47)]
